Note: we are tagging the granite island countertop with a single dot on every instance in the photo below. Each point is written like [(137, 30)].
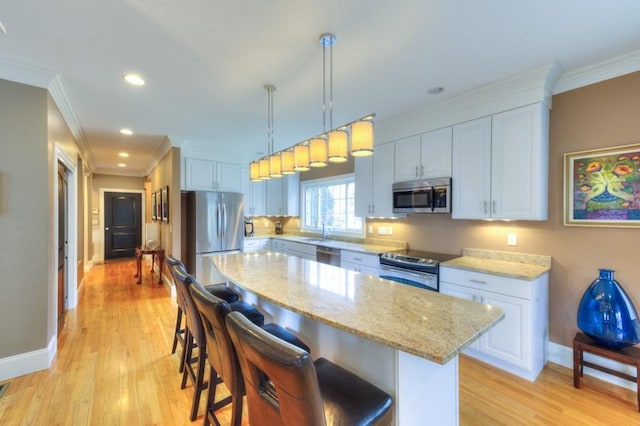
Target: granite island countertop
[(423, 323), (513, 265)]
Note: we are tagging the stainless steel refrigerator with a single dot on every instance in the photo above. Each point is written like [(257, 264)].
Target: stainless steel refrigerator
[(214, 225)]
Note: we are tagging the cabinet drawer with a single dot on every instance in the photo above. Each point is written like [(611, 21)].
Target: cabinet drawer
[(255, 244), (363, 259), (497, 284)]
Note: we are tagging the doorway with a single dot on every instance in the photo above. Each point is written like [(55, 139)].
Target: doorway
[(122, 224), (63, 242)]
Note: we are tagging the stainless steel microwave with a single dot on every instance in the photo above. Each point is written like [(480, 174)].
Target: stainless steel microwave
[(422, 196)]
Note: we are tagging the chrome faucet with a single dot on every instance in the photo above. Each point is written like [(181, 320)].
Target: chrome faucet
[(325, 233)]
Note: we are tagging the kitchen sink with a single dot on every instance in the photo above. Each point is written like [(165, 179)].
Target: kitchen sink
[(315, 240)]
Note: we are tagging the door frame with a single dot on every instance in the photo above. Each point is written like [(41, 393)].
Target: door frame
[(100, 257), (71, 276)]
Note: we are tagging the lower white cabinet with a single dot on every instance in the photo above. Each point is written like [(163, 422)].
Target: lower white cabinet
[(256, 244), (360, 262), (519, 343), (303, 250)]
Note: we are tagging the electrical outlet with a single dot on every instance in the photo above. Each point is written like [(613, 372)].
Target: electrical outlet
[(371, 229), (382, 230), (390, 230), (512, 239)]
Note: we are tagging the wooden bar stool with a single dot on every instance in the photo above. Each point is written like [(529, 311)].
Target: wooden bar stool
[(221, 354), (629, 355), (285, 387)]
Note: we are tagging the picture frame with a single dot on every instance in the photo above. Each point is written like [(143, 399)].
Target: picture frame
[(158, 205), (165, 204), (602, 187), (154, 207)]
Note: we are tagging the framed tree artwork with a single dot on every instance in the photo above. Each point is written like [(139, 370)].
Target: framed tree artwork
[(154, 206), (165, 204)]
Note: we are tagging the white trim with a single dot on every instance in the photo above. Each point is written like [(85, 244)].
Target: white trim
[(71, 279), (563, 355), (28, 362), (99, 257), (24, 73), (611, 68)]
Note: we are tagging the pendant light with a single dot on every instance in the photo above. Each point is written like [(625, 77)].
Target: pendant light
[(301, 157), (337, 146), (362, 138), (318, 152), (254, 171), (286, 158)]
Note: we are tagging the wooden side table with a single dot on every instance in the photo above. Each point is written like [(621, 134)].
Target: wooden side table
[(629, 355), (157, 252)]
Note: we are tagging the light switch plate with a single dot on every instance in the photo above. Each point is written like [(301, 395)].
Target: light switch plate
[(371, 229), (512, 239)]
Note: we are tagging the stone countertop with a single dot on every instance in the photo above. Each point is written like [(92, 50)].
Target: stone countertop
[(366, 246), (423, 323), (513, 265)]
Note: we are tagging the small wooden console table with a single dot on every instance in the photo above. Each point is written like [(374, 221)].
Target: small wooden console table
[(629, 355), (157, 252)]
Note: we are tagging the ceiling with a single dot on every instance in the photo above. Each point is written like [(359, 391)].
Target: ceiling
[(206, 62)]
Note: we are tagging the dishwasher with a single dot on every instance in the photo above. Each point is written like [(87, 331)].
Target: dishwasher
[(328, 255)]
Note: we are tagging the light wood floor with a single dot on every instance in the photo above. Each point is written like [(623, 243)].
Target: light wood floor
[(113, 367)]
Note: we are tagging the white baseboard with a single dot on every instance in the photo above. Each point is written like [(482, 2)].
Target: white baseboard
[(563, 355), (28, 362)]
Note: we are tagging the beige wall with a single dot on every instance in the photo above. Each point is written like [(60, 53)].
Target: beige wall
[(167, 173), (600, 115), (24, 219)]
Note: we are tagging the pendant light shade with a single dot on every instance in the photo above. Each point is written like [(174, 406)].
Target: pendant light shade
[(264, 169), (301, 157), (286, 158), (362, 138), (318, 152), (275, 166), (254, 171), (337, 146)]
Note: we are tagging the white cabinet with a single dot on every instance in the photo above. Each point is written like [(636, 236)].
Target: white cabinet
[(518, 343), (205, 175), (283, 196), (294, 248), (254, 195), (374, 178), (365, 263), (424, 156), (500, 166), (256, 244)]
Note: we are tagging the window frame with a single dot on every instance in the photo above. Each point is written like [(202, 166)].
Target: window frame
[(347, 178)]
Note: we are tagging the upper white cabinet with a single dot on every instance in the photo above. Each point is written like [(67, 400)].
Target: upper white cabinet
[(374, 178), (423, 156), (500, 166), (283, 196), (205, 175), (254, 195)]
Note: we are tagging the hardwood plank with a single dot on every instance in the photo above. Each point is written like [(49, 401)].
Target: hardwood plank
[(114, 367)]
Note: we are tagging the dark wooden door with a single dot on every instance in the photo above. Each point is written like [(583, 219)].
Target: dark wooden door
[(62, 243), (122, 224)]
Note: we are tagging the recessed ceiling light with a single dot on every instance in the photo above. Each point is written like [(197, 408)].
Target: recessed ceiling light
[(125, 131), (134, 79), (122, 165), (123, 154), (435, 90)]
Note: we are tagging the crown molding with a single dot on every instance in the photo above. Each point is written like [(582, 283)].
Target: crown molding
[(528, 87), (32, 75), (59, 95), (162, 150), (611, 68)]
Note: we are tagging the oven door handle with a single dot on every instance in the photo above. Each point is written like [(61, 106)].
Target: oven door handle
[(406, 272)]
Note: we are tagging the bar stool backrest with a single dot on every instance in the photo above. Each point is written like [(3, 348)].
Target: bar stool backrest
[(183, 282), (171, 261), (280, 378), (221, 352)]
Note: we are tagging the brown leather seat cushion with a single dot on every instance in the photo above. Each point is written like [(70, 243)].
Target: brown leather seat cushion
[(251, 313)]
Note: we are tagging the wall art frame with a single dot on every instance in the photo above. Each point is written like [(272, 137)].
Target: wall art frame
[(165, 204), (602, 187), (154, 206)]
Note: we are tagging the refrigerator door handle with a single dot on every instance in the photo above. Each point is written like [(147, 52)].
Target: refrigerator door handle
[(224, 213), (218, 216)]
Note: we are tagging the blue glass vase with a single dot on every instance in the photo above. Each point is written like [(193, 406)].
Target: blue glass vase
[(607, 314)]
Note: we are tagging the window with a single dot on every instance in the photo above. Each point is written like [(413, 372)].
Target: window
[(330, 202)]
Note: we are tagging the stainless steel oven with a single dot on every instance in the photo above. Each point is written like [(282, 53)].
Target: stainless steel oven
[(422, 196), (328, 255), (414, 268)]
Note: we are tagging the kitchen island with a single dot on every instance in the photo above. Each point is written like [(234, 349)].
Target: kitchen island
[(403, 339)]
